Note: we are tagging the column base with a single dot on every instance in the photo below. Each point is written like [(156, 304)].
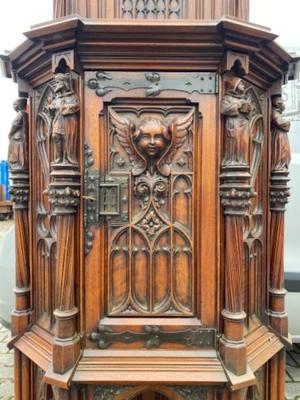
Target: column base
[(279, 323), (65, 354), (19, 322), (233, 354)]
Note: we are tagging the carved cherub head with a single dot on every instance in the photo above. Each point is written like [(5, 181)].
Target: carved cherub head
[(20, 104), (62, 83), (278, 102), (151, 142), (152, 138)]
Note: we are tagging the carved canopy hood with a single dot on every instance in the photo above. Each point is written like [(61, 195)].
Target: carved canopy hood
[(149, 161)]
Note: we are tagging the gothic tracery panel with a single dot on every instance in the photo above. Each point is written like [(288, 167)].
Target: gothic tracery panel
[(151, 262), (254, 222), (45, 220)]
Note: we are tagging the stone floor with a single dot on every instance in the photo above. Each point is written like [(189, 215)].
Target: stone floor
[(293, 373), (6, 366), (6, 370)]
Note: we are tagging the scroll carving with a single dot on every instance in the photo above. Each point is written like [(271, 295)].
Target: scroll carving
[(154, 146), (279, 193), (18, 166)]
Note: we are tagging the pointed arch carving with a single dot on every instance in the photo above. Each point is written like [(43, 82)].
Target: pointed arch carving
[(132, 393)]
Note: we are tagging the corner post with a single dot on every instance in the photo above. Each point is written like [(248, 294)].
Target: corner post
[(19, 173), (236, 194), (279, 193), (64, 193)]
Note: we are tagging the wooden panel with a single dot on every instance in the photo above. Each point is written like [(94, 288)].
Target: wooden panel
[(151, 262)]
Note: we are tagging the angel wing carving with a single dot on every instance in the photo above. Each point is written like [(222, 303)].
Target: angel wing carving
[(125, 130), (178, 130)]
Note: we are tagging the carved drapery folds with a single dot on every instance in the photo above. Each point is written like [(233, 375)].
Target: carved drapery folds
[(236, 194), (64, 192), (279, 193), (19, 173)]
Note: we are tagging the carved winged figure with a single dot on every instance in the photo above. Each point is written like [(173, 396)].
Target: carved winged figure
[(151, 142)]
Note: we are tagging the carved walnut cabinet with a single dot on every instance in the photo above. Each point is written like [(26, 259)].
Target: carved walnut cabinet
[(149, 164)]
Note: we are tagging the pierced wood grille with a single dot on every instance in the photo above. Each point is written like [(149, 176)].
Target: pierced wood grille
[(152, 9)]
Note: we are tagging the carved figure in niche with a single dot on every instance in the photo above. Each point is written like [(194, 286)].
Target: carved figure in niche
[(64, 128), (237, 109), (281, 152), (17, 149), (151, 142)]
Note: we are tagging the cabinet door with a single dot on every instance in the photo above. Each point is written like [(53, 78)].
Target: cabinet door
[(146, 144)]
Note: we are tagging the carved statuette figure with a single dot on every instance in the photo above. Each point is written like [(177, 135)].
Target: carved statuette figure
[(281, 152), (64, 131), (17, 150), (237, 109)]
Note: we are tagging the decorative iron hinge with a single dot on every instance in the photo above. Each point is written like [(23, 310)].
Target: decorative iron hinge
[(154, 83), (154, 337), (103, 198)]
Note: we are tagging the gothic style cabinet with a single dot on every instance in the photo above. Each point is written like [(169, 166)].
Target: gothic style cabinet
[(149, 163)]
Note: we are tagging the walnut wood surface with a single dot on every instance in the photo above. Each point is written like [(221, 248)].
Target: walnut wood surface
[(154, 156)]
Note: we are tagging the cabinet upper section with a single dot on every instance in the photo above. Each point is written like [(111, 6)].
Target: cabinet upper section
[(152, 9)]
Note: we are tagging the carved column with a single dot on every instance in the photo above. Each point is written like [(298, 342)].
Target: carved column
[(236, 196), (18, 166), (64, 191), (19, 174), (279, 193)]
